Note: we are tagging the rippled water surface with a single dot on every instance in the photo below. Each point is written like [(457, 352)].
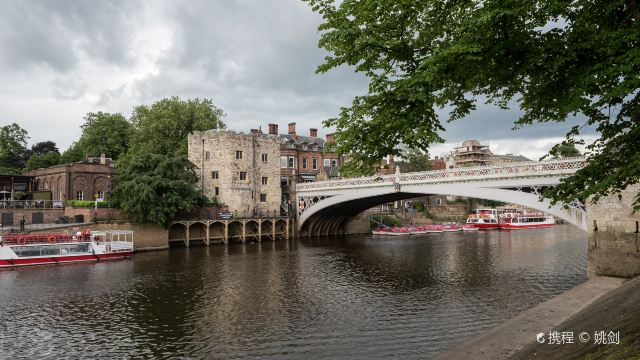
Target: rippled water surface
[(355, 298)]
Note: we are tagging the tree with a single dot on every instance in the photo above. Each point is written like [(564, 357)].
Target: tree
[(564, 150), (73, 154), (415, 160), (553, 58), (104, 133), (44, 147), (162, 128), (154, 187), (13, 148), (37, 161)]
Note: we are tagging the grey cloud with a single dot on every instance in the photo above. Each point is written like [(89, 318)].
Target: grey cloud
[(54, 33)]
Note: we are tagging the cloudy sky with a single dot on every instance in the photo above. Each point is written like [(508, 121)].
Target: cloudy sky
[(255, 59)]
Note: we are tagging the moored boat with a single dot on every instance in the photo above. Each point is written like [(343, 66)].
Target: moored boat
[(484, 219), (41, 249), (519, 221), (435, 228), (451, 227), (469, 227)]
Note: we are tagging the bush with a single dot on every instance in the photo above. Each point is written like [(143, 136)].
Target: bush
[(86, 204), (418, 206), (388, 220)]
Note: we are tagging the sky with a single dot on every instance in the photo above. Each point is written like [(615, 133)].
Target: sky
[(60, 59)]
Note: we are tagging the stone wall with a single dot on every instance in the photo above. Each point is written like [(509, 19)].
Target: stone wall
[(90, 213), (48, 216), (145, 236), (614, 241), (215, 155)]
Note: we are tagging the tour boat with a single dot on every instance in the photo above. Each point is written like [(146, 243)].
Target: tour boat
[(511, 221), (40, 249), (484, 219), (397, 231)]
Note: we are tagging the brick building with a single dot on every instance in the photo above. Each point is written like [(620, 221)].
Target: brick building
[(84, 180), (305, 158), (239, 169)]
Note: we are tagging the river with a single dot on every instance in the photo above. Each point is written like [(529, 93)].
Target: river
[(361, 297)]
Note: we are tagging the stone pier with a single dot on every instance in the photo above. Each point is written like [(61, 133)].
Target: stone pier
[(614, 235), (224, 231)]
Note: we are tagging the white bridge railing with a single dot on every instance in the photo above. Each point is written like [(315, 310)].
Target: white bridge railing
[(566, 166)]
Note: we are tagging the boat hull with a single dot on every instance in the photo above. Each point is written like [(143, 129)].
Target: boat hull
[(507, 226)]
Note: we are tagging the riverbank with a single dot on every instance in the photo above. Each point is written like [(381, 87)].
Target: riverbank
[(513, 336), (616, 311)]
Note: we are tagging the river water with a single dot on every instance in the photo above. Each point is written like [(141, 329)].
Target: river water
[(361, 297)]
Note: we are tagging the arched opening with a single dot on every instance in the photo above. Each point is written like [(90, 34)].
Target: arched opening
[(267, 229), (251, 231), (177, 232), (197, 233), (235, 231), (216, 232)]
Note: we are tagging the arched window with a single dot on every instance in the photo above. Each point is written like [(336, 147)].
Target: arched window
[(79, 195), (438, 201), (101, 194)]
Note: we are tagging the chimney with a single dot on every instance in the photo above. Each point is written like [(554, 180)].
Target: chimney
[(103, 159), (292, 130), (273, 129), (330, 138), (313, 133)]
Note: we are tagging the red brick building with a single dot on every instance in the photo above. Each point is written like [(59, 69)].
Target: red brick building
[(76, 181)]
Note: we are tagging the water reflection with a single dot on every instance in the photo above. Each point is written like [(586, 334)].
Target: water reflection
[(360, 297)]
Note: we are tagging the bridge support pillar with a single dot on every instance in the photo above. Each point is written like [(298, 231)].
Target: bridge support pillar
[(614, 235), (225, 239), (260, 230), (206, 240), (186, 237)]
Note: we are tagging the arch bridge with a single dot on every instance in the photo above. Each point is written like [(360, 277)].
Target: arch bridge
[(324, 207)]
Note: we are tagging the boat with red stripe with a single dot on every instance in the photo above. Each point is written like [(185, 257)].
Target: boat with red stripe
[(45, 249)]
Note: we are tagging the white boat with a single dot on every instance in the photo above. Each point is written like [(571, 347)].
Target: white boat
[(518, 221), (41, 249)]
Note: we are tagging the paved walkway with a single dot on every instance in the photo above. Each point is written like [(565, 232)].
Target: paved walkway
[(506, 339)]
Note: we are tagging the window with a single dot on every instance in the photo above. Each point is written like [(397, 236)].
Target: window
[(314, 164), (283, 162), (263, 197), (292, 162), (238, 155), (334, 162), (207, 155), (79, 195), (243, 175), (438, 201), (216, 191), (264, 157), (265, 180), (304, 163), (214, 175), (101, 194), (326, 162)]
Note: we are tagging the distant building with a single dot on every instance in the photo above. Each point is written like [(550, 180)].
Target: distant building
[(473, 153), (239, 169), (83, 180), (438, 163)]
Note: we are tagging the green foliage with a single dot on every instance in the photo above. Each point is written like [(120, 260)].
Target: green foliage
[(564, 150), (162, 128), (417, 205), (104, 133), (44, 147), (87, 204), (388, 220), (37, 161), (13, 148), (73, 154), (554, 58), (415, 160), (154, 187)]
